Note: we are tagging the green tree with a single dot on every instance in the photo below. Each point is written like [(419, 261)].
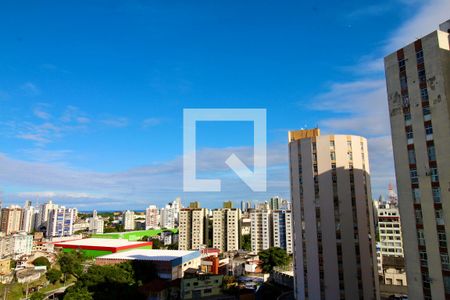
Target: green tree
[(42, 261), (53, 275), (37, 296), (173, 246), (273, 257), (156, 244), (71, 263), (76, 293), (246, 242)]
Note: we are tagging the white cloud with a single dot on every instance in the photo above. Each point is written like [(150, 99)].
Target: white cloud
[(117, 122), (30, 88)]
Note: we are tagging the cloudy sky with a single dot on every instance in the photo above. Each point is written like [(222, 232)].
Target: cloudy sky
[(92, 96)]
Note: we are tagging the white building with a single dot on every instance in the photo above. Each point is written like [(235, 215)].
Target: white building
[(96, 223), (28, 219), (261, 228), (282, 230), (151, 217), (128, 220), (44, 211), (16, 245), (60, 222), (226, 223)]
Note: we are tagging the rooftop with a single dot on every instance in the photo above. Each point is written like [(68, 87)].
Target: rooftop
[(105, 244), (176, 257)]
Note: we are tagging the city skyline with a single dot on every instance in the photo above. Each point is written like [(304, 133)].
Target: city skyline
[(101, 124)]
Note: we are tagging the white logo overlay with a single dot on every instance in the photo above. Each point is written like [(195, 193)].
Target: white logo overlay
[(256, 180)]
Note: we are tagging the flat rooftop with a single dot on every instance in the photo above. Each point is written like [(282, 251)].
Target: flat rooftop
[(103, 244), (175, 257)]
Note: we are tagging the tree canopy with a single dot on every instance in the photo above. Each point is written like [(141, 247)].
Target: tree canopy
[(71, 263), (42, 261), (76, 293), (273, 257), (53, 275)]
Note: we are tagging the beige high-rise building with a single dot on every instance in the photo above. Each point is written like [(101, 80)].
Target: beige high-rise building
[(418, 87), (226, 223), (193, 228), (261, 228), (11, 219), (333, 217)]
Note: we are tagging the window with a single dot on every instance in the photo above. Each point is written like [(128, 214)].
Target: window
[(419, 57), (424, 93), (403, 83), (426, 112), (411, 157), (431, 153), (333, 155), (436, 195), (413, 175), (405, 101), (407, 117), (429, 129), (422, 76), (401, 64), (409, 132), (418, 214), (423, 258), (350, 155), (420, 237), (442, 239), (439, 217), (416, 195), (434, 175)]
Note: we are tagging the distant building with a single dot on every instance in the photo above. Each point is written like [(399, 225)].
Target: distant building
[(11, 219), (282, 230), (28, 219), (261, 228), (128, 220), (418, 90), (16, 245), (60, 222), (193, 227), (245, 206), (199, 285), (226, 223), (96, 223), (151, 217), (275, 203), (44, 211)]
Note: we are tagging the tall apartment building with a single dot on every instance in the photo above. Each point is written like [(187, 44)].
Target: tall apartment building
[(151, 217), (11, 219), (128, 220), (418, 88), (28, 219), (261, 228), (282, 230), (44, 211), (333, 217), (226, 229), (168, 217), (96, 224), (193, 228), (60, 222)]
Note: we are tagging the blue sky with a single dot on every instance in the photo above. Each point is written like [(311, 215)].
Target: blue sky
[(92, 95)]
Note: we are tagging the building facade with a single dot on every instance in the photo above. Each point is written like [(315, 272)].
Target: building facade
[(96, 224), (418, 88), (60, 222), (261, 228), (193, 228), (334, 254), (282, 230), (11, 219), (128, 220), (226, 228), (151, 217)]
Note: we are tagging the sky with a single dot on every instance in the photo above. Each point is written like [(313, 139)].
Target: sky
[(92, 93)]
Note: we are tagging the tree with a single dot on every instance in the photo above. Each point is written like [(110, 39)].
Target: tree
[(173, 246), (273, 257), (53, 275), (75, 293), (37, 296), (246, 242), (156, 244), (71, 263), (42, 261)]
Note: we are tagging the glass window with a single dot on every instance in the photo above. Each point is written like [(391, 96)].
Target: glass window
[(420, 237), (429, 129), (442, 239), (436, 195), (422, 76), (434, 175), (407, 117), (445, 261), (423, 258), (419, 56), (426, 111), (418, 214), (424, 93), (431, 153), (416, 195), (409, 132), (411, 156), (413, 175), (403, 82)]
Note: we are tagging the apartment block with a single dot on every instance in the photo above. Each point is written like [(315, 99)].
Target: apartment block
[(334, 254), (261, 228), (151, 217), (193, 228), (11, 220), (418, 89), (282, 230), (226, 229), (128, 220), (60, 222)]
